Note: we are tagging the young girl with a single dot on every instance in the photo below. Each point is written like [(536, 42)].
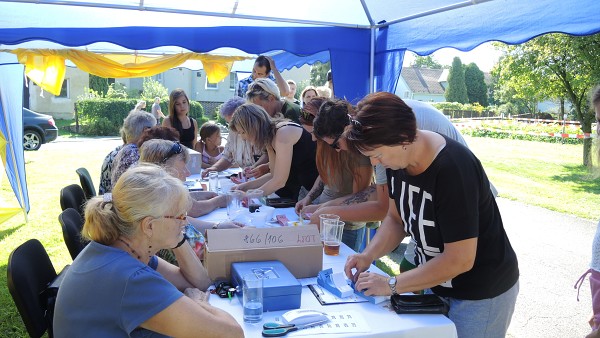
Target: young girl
[(210, 144)]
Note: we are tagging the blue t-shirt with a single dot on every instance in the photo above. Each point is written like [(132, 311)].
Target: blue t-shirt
[(108, 293)]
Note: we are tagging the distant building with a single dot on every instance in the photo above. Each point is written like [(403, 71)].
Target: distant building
[(422, 84), (194, 82)]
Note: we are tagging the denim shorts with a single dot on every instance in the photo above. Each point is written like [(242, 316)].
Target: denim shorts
[(488, 318)]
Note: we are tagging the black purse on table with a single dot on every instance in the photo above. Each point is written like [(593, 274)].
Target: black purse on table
[(419, 304)]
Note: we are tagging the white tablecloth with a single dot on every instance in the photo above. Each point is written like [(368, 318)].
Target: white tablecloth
[(381, 319)]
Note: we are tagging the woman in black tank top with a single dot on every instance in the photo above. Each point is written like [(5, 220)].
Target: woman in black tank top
[(290, 148), (179, 107)]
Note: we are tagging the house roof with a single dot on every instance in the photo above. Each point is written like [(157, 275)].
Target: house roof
[(423, 80)]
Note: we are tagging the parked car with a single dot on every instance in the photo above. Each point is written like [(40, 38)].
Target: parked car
[(37, 129)]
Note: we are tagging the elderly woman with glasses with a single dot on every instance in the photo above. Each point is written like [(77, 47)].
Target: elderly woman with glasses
[(290, 148), (125, 289), (341, 173), (173, 157), (439, 195)]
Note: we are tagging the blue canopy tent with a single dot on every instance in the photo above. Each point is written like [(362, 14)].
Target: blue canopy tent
[(365, 40)]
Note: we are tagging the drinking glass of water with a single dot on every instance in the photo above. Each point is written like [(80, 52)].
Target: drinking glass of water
[(252, 294)]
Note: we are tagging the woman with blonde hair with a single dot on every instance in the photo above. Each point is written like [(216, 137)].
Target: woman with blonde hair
[(126, 289), (290, 148), (264, 92)]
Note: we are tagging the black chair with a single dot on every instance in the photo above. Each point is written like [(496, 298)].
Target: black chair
[(71, 223), (29, 272), (72, 196), (86, 183)]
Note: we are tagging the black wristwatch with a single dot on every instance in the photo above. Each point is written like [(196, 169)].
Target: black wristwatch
[(392, 285)]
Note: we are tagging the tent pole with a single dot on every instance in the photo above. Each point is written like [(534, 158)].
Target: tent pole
[(465, 3), (372, 60)]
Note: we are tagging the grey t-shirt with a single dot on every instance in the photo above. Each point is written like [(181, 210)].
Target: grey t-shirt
[(428, 118)]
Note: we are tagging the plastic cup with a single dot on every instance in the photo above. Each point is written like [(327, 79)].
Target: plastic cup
[(324, 217), (332, 236), (234, 203), (252, 294), (255, 199), (213, 181)]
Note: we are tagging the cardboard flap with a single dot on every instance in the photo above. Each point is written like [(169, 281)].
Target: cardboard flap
[(263, 238)]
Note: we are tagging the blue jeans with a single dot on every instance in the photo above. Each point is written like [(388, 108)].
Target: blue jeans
[(354, 238), (483, 318)]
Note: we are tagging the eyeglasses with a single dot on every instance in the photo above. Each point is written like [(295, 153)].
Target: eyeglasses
[(180, 217), (224, 290), (336, 143), (308, 117), (175, 150)]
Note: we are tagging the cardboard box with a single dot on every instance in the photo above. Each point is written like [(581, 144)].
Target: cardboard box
[(281, 290), (298, 248), (194, 165)]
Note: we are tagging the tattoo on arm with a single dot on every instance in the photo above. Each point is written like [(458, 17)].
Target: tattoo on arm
[(361, 196), (314, 193)]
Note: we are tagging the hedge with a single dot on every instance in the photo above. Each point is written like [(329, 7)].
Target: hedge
[(104, 117)]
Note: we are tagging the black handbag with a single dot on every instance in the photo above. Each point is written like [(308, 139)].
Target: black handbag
[(419, 304)]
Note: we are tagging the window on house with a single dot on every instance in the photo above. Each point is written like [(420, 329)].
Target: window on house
[(64, 91), (210, 85), (233, 80)]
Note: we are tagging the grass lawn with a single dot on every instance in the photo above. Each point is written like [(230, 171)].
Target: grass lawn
[(544, 174)]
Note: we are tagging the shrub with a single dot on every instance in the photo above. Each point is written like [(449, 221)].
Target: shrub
[(104, 116)]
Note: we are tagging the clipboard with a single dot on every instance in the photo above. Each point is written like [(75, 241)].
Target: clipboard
[(327, 298)]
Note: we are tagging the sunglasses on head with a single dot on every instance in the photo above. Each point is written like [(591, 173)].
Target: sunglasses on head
[(336, 143), (176, 149), (308, 117), (355, 123)]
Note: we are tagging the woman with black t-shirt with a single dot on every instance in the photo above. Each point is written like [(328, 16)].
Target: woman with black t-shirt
[(441, 197), (179, 108)]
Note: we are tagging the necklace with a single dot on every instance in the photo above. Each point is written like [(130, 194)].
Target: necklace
[(130, 248)]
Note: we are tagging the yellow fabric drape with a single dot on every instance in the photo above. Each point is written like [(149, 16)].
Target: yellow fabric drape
[(46, 67), (3, 149), (7, 213)]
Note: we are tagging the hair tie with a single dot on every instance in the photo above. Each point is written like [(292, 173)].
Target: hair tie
[(107, 197)]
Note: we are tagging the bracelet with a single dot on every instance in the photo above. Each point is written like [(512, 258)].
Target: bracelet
[(185, 238)]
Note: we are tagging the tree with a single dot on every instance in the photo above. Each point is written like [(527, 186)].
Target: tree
[(152, 89), (426, 62), (98, 84), (318, 73), (457, 90), (476, 87), (555, 66)]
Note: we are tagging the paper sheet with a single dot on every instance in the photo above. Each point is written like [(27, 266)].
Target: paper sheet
[(327, 298), (340, 322)]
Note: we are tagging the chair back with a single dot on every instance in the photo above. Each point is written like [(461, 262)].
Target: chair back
[(86, 183), (72, 196), (29, 271), (71, 223)]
